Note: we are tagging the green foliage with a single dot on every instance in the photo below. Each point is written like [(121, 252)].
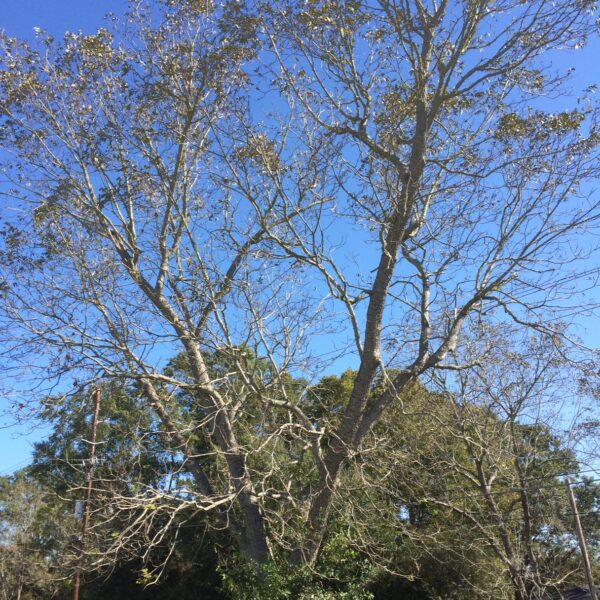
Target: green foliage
[(341, 572), (121, 457), (33, 530), (394, 509), (323, 402)]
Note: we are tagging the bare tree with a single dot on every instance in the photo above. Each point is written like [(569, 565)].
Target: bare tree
[(513, 417), (398, 190), (467, 192), (471, 477)]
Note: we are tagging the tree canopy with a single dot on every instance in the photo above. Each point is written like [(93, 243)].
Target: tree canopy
[(211, 210)]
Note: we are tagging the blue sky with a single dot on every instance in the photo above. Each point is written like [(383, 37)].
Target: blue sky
[(18, 19)]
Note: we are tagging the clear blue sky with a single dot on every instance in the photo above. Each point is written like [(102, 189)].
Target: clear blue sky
[(18, 19)]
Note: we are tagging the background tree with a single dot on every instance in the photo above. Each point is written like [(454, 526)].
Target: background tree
[(410, 517), (30, 534), (508, 424), (131, 540)]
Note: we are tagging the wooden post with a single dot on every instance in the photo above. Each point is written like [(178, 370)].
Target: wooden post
[(582, 545), (89, 472)]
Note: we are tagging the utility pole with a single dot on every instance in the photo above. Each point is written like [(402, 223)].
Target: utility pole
[(89, 472), (582, 545)]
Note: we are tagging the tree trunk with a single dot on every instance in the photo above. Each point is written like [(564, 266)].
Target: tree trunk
[(349, 433)]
